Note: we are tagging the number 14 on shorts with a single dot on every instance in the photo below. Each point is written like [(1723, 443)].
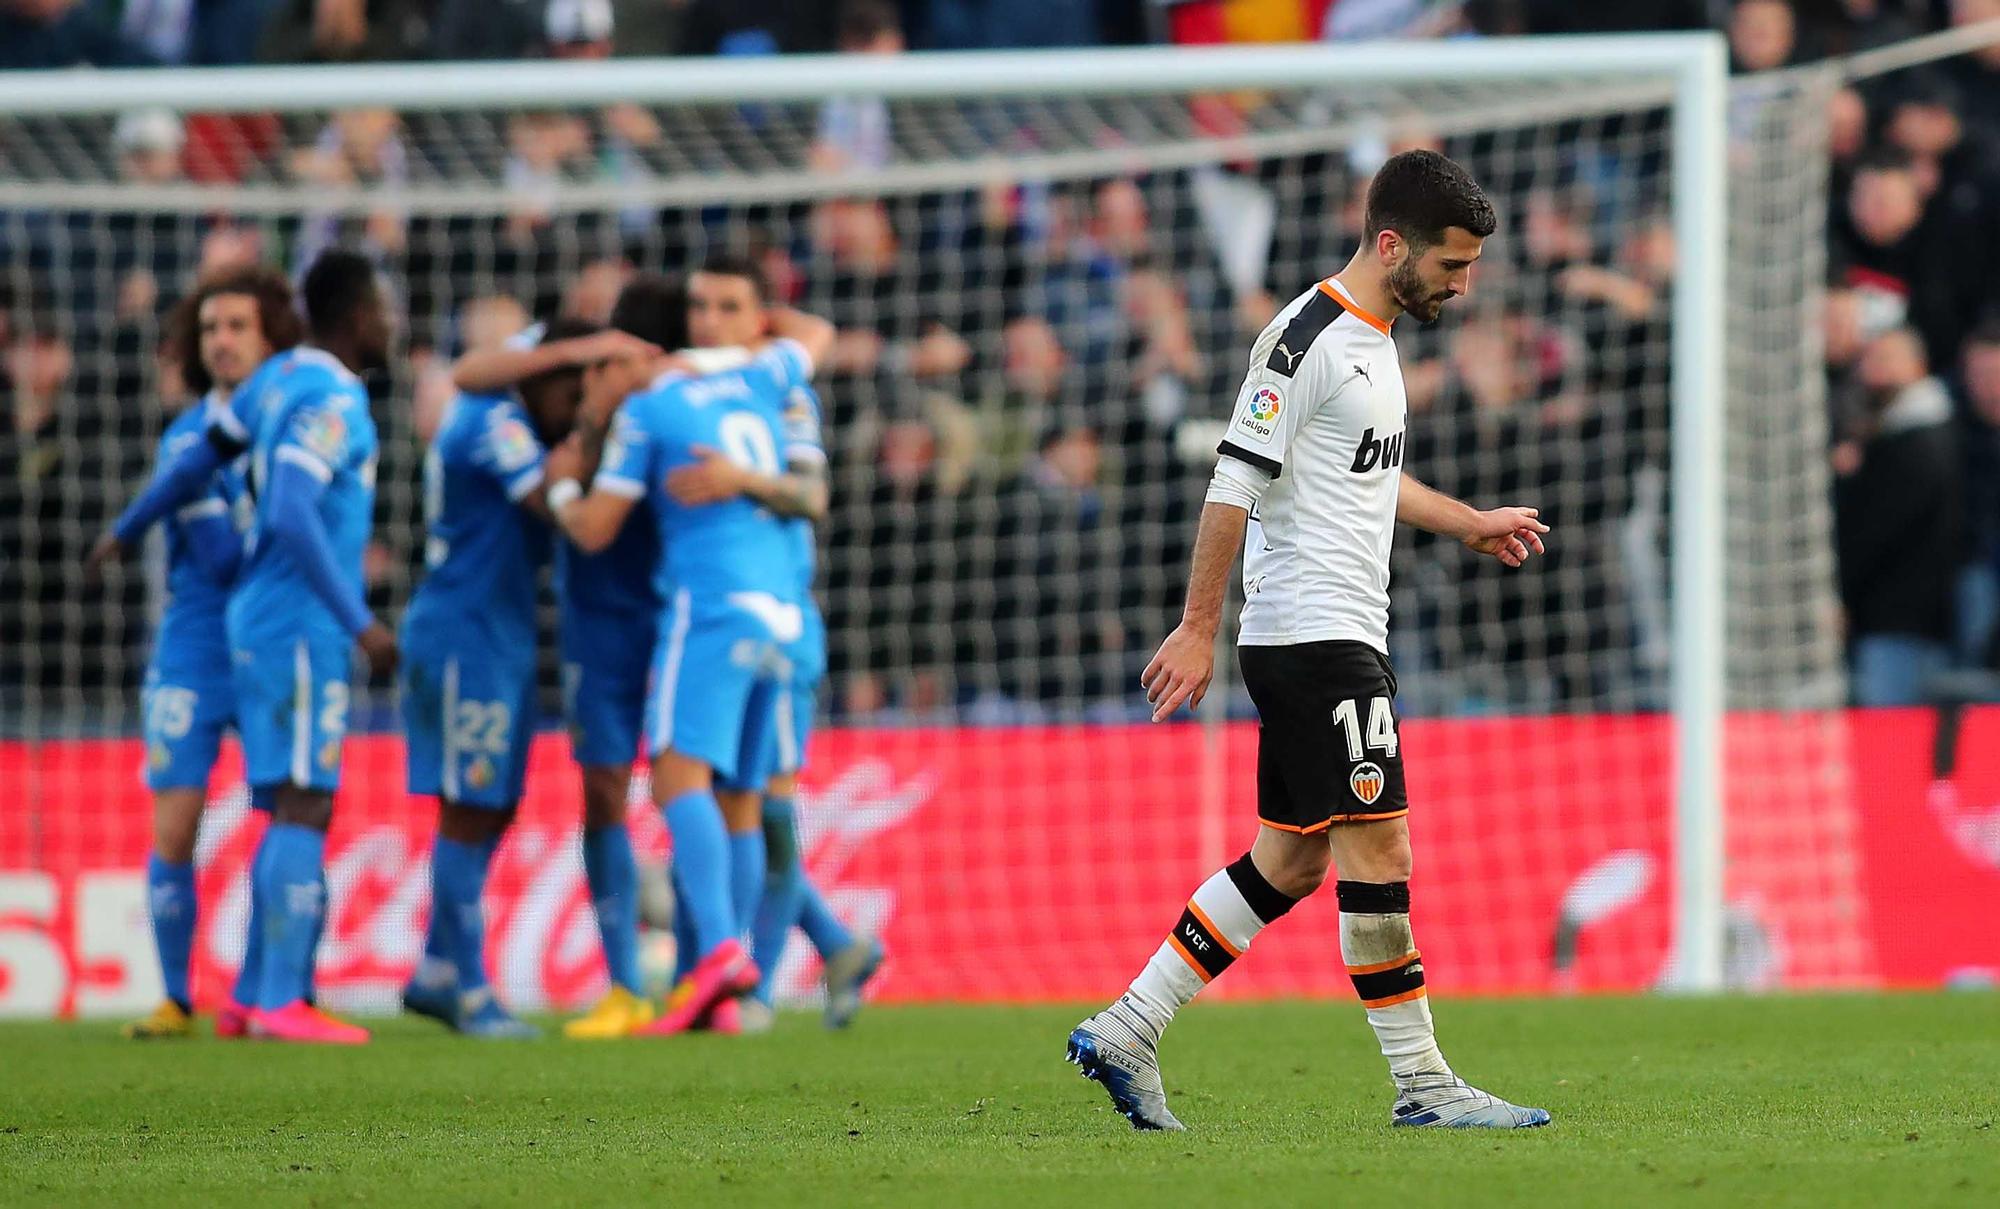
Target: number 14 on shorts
[(1381, 726)]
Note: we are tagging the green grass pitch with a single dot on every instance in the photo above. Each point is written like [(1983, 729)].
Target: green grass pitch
[(1840, 1100)]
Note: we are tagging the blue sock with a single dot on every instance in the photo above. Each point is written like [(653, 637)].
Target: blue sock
[(746, 877), (437, 969), (784, 886), (458, 876), (307, 989), (250, 975), (701, 855), (170, 894), (292, 889), (684, 945), (827, 934), (613, 875)]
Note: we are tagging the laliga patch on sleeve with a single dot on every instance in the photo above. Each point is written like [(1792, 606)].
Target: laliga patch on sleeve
[(512, 444), (1257, 415), (801, 421), (323, 432)]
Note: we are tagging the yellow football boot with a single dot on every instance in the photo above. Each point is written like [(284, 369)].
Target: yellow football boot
[(166, 1021), (615, 1015)]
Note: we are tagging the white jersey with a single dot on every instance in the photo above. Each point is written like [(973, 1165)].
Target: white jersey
[(1322, 410)]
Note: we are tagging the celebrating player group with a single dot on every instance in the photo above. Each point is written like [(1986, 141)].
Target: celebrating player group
[(670, 464)]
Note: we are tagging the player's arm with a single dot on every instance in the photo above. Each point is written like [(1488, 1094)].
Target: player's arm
[(1185, 664), (801, 491), (495, 369), (299, 476), (617, 473), (811, 333), (1510, 535), (212, 539), (589, 519), (176, 483)]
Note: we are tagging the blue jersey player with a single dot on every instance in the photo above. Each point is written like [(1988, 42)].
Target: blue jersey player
[(726, 312), (295, 616), (728, 572), (217, 336), (609, 608), (469, 675), (789, 896)]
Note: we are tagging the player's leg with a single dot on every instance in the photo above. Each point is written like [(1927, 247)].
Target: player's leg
[(694, 725), (1118, 1047), (1380, 951), (433, 987), (170, 900), (292, 706), (606, 703), (468, 835), (185, 716), (743, 823)]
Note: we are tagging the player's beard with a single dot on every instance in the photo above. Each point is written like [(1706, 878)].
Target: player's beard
[(1409, 292)]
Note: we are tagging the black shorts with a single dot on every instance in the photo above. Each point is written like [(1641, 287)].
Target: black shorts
[(1329, 744)]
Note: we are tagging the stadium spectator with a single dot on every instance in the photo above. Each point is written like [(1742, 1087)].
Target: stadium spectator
[(1763, 34), (345, 31), (63, 33), (890, 609), (1052, 633), (854, 132), (148, 143), (757, 27), (1897, 511), (359, 148), (1007, 25), (1978, 631), (489, 29), (1845, 27)]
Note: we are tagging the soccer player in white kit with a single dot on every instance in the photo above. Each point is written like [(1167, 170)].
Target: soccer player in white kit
[(1311, 468)]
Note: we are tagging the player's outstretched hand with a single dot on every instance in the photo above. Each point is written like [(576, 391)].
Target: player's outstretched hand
[(1180, 672), (709, 479), (1508, 534), (379, 645), (105, 551)]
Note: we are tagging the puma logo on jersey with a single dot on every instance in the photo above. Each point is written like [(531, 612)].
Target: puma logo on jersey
[(1384, 454), (1291, 358), (1361, 371)]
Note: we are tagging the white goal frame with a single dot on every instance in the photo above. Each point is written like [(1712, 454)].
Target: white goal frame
[(1694, 64)]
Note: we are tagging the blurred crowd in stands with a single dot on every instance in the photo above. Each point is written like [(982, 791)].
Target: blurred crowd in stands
[(1023, 396)]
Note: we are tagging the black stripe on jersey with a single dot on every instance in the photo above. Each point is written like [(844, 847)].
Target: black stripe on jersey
[(225, 444), (1323, 308), (1232, 449)]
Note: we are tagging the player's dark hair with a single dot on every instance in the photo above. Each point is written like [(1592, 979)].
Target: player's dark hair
[(277, 315), (653, 307), (863, 21), (337, 285), (563, 327), (735, 264), (1419, 194)]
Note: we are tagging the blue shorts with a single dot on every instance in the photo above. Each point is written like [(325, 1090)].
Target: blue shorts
[(185, 711), (774, 740), (469, 714), (604, 685), (291, 709), (718, 679)]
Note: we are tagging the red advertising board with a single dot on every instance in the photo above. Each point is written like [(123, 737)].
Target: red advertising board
[(1046, 863)]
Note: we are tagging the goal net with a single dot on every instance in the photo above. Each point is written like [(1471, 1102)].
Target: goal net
[(1044, 303)]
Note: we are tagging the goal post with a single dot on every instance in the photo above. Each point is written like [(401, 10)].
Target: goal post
[(1227, 139)]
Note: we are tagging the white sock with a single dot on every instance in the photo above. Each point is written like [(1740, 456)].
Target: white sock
[(1223, 917), (1388, 974)]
